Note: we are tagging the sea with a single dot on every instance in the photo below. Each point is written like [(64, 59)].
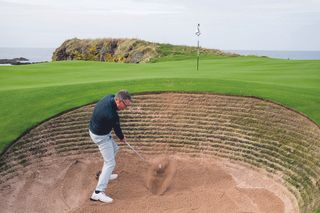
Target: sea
[(33, 54), (283, 54), (45, 54)]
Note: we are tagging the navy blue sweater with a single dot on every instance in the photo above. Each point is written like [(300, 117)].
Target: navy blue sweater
[(105, 118)]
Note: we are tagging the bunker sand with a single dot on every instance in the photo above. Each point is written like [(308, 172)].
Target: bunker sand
[(196, 184)]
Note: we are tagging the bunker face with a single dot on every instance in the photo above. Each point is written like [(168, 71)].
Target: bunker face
[(56, 160)]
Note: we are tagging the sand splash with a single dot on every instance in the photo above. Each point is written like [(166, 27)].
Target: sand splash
[(160, 174)]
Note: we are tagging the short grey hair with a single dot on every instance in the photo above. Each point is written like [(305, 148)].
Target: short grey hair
[(123, 95)]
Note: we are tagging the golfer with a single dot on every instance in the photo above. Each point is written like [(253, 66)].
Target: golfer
[(105, 118)]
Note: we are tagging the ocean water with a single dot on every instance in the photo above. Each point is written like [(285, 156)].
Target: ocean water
[(45, 54), (33, 54), (292, 55)]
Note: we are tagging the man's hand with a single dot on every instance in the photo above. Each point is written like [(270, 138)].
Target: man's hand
[(123, 140)]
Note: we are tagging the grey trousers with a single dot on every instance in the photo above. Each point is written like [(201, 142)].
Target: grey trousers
[(108, 149)]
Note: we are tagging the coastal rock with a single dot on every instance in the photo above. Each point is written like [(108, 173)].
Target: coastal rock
[(15, 61), (108, 50)]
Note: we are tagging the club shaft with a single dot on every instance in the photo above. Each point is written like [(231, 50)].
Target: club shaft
[(135, 151)]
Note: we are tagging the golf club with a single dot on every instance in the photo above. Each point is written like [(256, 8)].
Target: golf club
[(142, 158)]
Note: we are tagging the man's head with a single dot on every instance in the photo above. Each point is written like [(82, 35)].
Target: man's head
[(122, 99)]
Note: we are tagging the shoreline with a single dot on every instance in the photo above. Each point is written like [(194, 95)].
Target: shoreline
[(40, 55)]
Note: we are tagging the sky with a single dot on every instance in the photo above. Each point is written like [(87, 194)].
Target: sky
[(224, 24)]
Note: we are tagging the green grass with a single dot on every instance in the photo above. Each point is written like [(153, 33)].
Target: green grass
[(30, 94)]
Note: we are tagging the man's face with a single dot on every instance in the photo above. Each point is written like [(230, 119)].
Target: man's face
[(122, 104)]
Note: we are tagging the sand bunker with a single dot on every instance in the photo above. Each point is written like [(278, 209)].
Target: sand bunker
[(191, 184)]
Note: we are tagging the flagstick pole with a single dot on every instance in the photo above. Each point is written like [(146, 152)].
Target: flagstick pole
[(198, 33), (198, 55)]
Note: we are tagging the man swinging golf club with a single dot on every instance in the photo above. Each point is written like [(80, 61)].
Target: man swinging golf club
[(105, 118)]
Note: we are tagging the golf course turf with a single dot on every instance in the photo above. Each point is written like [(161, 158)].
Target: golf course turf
[(30, 94)]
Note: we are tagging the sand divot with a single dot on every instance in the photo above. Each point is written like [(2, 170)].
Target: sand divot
[(160, 174)]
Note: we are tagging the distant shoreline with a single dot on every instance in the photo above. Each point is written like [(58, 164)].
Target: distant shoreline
[(36, 55), (17, 61), (281, 54)]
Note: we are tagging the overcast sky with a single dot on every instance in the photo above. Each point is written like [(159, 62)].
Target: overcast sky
[(225, 24)]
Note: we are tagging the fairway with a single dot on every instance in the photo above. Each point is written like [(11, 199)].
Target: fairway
[(32, 93)]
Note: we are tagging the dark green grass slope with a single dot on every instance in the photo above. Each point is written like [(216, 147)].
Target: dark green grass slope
[(29, 94)]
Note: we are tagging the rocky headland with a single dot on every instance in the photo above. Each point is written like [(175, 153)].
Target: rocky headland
[(15, 61), (125, 50)]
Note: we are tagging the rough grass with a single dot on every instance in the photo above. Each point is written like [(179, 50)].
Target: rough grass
[(31, 93)]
